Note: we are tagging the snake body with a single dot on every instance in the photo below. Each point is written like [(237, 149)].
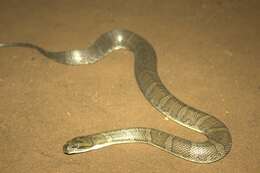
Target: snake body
[(218, 143)]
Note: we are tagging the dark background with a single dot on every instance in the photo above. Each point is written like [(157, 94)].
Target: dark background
[(208, 56)]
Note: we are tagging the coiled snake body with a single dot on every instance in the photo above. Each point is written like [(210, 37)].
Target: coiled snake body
[(218, 143)]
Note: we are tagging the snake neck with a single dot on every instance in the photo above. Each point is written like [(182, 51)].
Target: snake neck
[(128, 135)]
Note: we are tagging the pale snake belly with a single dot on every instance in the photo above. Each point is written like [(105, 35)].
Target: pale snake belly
[(218, 143)]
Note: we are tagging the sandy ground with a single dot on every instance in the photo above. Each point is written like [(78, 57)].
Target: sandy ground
[(208, 56)]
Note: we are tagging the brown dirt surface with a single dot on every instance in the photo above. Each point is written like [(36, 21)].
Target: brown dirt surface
[(208, 56)]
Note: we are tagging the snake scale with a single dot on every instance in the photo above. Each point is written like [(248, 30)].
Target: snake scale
[(218, 143)]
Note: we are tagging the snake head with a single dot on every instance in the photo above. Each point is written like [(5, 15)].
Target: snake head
[(78, 145)]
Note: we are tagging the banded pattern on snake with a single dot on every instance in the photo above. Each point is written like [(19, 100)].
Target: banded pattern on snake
[(218, 143)]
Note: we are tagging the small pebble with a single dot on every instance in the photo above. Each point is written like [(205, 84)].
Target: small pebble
[(227, 112), (228, 52)]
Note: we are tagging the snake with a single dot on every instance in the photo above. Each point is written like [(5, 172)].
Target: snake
[(218, 141)]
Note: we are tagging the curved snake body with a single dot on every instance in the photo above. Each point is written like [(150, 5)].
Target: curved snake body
[(218, 143)]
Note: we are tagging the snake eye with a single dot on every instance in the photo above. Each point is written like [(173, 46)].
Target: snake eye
[(75, 146)]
